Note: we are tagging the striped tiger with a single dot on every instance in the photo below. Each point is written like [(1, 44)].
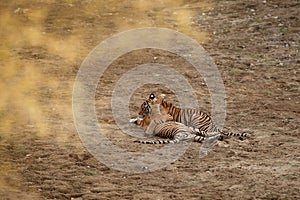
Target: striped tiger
[(187, 116), (161, 124)]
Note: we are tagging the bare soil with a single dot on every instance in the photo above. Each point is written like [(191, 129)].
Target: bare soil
[(255, 45)]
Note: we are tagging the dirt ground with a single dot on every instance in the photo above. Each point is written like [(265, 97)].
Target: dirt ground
[(255, 45)]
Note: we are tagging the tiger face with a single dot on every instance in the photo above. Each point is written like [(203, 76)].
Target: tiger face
[(145, 108)]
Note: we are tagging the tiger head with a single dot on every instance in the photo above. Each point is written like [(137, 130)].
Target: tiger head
[(145, 108)]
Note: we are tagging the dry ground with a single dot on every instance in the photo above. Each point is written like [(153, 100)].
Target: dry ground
[(255, 45)]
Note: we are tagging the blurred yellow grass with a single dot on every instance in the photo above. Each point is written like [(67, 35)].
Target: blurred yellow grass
[(23, 79), (37, 60)]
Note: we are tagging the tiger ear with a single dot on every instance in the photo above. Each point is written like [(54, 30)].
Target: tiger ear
[(160, 99)]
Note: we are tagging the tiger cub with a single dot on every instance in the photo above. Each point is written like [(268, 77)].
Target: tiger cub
[(187, 116), (159, 123)]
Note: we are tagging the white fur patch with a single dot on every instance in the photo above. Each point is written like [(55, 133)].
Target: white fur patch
[(133, 120)]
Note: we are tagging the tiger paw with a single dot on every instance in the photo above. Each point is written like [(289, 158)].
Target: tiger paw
[(133, 120)]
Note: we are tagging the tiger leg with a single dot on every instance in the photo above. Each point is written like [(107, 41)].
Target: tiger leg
[(186, 136), (190, 137), (134, 120), (141, 122), (199, 138), (199, 132)]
